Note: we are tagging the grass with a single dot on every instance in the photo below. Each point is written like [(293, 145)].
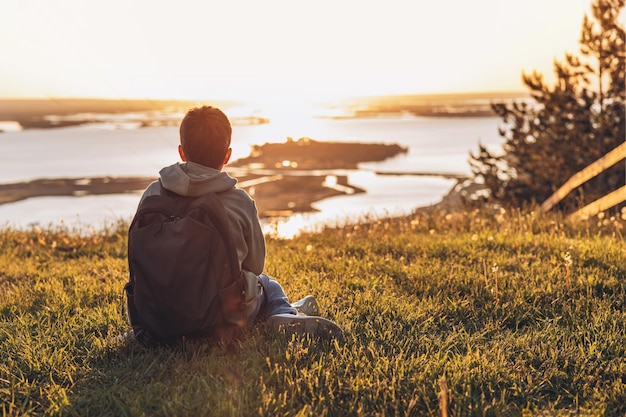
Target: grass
[(444, 314)]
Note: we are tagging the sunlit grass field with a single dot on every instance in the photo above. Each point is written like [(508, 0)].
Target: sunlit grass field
[(444, 314)]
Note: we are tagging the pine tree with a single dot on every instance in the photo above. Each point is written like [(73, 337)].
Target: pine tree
[(564, 127)]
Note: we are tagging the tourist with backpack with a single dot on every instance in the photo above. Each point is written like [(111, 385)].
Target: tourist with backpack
[(196, 251)]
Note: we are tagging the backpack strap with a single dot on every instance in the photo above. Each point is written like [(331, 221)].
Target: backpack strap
[(165, 191)]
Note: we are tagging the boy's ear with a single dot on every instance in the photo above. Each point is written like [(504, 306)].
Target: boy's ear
[(182, 153), (229, 152)]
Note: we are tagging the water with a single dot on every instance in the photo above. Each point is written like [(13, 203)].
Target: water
[(436, 145)]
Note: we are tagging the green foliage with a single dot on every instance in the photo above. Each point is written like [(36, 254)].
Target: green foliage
[(566, 126), (482, 313)]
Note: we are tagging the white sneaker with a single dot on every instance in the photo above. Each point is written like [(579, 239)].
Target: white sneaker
[(307, 306), (314, 326)]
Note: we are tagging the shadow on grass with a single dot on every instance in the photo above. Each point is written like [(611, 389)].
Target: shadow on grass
[(192, 378)]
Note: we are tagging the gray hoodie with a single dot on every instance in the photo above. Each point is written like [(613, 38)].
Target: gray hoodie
[(193, 180)]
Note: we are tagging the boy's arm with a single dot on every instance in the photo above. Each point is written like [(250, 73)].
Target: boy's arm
[(255, 260)]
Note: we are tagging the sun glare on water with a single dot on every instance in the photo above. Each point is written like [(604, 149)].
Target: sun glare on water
[(287, 228)]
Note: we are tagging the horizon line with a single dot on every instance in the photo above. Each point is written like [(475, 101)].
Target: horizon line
[(240, 100)]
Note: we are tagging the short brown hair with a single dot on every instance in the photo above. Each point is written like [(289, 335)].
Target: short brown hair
[(205, 135)]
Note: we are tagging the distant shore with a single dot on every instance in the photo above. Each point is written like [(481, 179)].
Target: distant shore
[(26, 114), (65, 112)]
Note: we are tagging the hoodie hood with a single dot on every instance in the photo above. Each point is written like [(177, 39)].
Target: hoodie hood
[(193, 180)]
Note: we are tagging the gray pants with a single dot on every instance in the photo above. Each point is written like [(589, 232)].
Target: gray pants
[(274, 301)]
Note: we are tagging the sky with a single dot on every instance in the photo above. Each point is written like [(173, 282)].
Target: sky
[(279, 49)]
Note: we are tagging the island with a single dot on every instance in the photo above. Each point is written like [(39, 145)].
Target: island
[(283, 178)]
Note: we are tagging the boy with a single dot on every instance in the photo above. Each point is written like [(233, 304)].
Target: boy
[(205, 137)]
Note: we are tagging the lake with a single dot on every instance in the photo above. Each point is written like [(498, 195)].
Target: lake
[(436, 145)]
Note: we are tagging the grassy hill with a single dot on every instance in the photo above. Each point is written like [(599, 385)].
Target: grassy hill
[(444, 314)]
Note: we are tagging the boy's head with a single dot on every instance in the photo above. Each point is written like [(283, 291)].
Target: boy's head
[(205, 134)]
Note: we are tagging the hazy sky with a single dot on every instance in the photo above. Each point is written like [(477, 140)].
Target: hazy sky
[(274, 49)]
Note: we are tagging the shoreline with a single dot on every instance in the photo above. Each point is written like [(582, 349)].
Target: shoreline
[(275, 196), (283, 178)]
